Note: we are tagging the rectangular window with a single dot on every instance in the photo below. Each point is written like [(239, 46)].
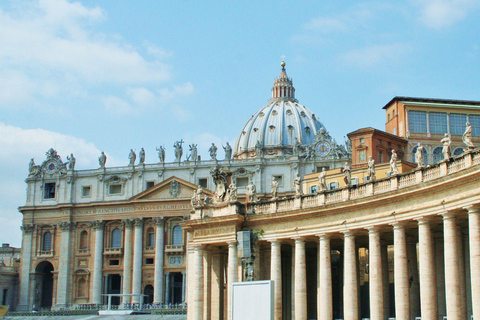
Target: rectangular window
[(150, 184), (333, 185), (203, 182), (313, 189), (361, 155), (151, 240), (362, 140), (354, 181), (86, 192), (4, 299), (114, 262), (49, 190), (475, 123), (438, 122), (380, 156), (417, 121), (242, 182), (115, 189), (319, 169), (149, 261), (457, 123)]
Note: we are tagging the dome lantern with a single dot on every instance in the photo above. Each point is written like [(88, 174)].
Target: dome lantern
[(283, 89)]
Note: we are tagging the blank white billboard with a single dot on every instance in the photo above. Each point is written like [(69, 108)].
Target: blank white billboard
[(252, 300)]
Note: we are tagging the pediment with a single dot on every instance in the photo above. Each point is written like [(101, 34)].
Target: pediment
[(173, 188)]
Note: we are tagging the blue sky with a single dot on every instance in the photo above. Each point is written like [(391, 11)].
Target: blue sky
[(88, 76)]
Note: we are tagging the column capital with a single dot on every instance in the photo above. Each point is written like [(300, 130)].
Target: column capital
[(197, 246), (299, 239), (232, 243), (275, 242), (448, 215), (424, 220), (138, 222), (373, 229), (66, 225), (324, 236), (472, 209), (349, 233), (398, 225), (98, 224), (128, 222), (159, 221), (27, 227)]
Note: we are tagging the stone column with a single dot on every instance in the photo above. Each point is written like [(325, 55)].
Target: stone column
[(276, 277), (461, 268), (197, 299), (474, 234), (324, 296), (375, 275), (440, 272), (413, 277), (137, 259), (159, 260), (207, 279), (428, 278), (452, 272), (300, 280), (385, 279), (350, 286), (63, 289), (127, 260), (402, 298), (184, 285), (98, 262), (24, 304), (232, 275)]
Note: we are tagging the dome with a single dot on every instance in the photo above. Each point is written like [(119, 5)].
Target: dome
[(275, 126)]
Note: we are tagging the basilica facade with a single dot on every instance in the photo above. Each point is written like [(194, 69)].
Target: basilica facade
[(119, 230)]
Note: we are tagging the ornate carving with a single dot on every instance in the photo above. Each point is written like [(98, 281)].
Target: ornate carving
[(27, 228), (70, 180), (174, 188), (159, 221), (220, 179), (66, 225), (33, 170), (128, 222), (98, 224), (138, 222), (160, 173)]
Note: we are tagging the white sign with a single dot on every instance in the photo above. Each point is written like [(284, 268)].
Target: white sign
[(252, 300)]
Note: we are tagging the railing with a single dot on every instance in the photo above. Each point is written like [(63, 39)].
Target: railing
[(382, 186), (174, 248), (476, 158), (407, 180), (83, 251), (44, 253), (113, 251), (432, 173), (334, 196), (10, 269), (456, 165), (358, 192), (262, 208), (285, 205), (309, 201)]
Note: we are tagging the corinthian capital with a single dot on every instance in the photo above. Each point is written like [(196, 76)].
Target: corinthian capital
[(98, 224), (27, 228), (159, 221)]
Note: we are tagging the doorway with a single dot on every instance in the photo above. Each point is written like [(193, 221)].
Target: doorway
[(44, 284), (114, 285)]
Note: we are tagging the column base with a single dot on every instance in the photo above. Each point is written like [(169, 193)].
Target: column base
[(23, 307), (59, 307)]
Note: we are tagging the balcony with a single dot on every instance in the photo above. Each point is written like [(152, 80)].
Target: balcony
[(174, 248), (83, 252), (45, 254), (112, 251)]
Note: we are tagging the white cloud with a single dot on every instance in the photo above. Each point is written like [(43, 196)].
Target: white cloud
[(326, 24), (440, 14), (52, 48), (375, 55)]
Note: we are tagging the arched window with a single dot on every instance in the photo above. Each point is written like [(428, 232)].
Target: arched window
[(177, 235), (437, 154), (116, 238), (458, 151), (150, 237), (84, 240), (47, 241), (82, 288)]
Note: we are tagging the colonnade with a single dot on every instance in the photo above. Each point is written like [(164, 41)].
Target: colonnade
[(455, 293)]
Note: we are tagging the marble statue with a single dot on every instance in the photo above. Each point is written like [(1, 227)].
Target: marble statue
[(347, 174), (228, 151), (258, 149), (132, 157), (348, 144), (141, 156), (251, 192), (33, 169), (322, 180), (102, 160), (371, 169), (296, 147), (275, 187), (71, 162), (193, 200), (393, 162), (467, 137), (213, 151), (178, 150), (298, 185), (231, 192), (193, 152), (446, 142), (31, 165), (161, 154), (200, 198), (419, 156)]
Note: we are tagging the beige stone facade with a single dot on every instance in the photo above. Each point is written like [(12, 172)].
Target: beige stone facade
[(330, 253)]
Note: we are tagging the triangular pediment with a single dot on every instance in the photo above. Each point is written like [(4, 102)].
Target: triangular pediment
[(173, 188)]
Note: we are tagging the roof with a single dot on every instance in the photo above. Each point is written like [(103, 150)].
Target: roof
[(375, 131), (432, 100)]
